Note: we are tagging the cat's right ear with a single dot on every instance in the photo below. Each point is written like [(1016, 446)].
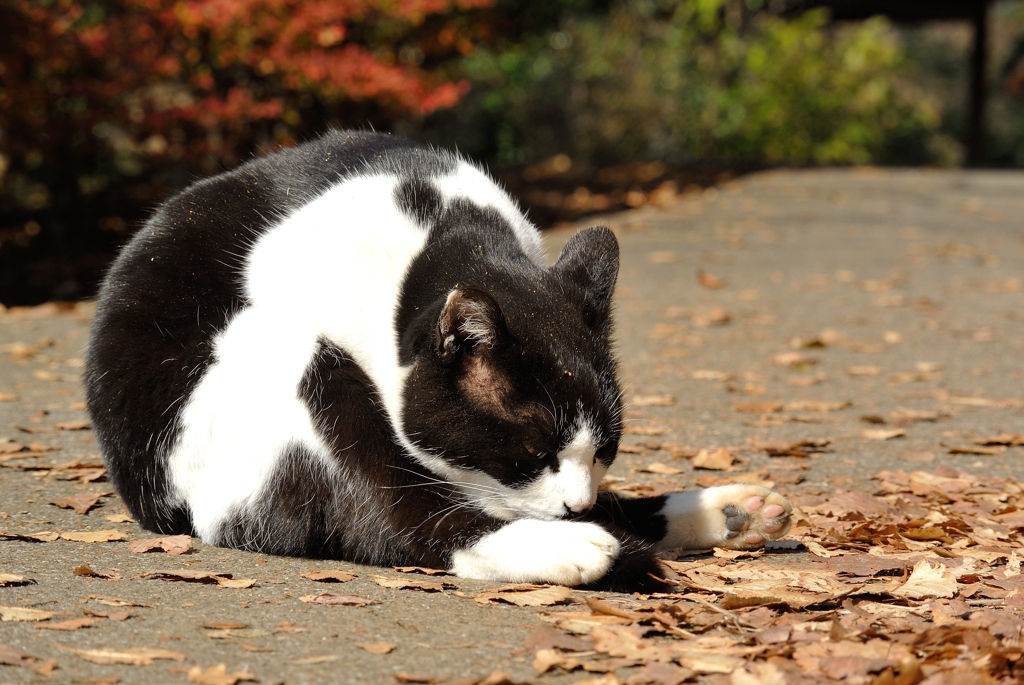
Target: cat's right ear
[(470, 320)]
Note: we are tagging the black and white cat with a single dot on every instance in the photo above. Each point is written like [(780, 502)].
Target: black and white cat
[(353, 349)]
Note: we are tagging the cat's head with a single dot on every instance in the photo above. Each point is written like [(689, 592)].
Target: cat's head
[(514, 391)]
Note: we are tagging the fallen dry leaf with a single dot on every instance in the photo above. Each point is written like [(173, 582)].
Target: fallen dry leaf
[(184, 575), (42, 536), (94, 536), (717, 460), (758, 407), (905, 416), (652, 401), (376, 647), (710, 375), (81, 425), (494, 678), (288, 627), (87, 571), (411, 584), (546, 637), (173, 544), (81, 503), (795, 359), (882, 433), (546, 659), (927, 581), (323, 658), (863, 371), (73, 624), (12, 656), (606, 679), (137, 656), (404, 677), (218, 675), (817, 405), (421, 569), (655, 673), (9, 579), (781, 448), (24, 614), (116, 601), (111, 615), (525, 595), (710, 281), (119, 518), (331, 599), (658, 467), (224, 625), (1007, 439), (328, 576), (979, 450)]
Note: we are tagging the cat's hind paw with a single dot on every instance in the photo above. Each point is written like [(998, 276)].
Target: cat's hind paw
[(753, 515), (739, 516)]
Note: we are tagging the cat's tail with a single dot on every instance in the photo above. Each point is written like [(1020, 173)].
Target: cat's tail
[(635, 570)]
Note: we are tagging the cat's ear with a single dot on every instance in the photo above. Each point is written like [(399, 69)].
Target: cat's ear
[(591, 260), (470, 320)]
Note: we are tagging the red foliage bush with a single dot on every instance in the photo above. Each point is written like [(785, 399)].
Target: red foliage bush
[(106, 103)]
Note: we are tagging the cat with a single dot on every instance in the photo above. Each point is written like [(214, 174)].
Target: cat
[(352, 349)]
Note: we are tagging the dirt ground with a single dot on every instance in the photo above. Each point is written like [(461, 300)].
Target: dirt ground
[(853, 337)]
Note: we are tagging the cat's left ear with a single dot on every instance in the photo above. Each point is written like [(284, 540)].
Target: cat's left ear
[(591, 260), (470, 320)]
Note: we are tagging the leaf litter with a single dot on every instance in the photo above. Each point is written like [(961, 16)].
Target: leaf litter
[(328, 576), (218, 675), (135, 656), (411, 584), (920, 581), (184, 575), (173, 545)]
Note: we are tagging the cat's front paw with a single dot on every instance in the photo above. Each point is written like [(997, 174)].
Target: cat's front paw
[(736, 516), (559, 552)]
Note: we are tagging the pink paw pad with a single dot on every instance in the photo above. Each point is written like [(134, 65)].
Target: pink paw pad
[(772, 511), (754, 503)]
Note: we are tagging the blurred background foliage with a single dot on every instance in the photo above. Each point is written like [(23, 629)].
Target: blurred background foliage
[(108, 106), (696, 81)]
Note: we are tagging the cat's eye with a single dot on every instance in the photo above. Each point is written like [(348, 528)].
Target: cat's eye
[(540, 454), (606, 452)]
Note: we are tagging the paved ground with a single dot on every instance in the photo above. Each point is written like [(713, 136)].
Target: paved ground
[(786, 306)]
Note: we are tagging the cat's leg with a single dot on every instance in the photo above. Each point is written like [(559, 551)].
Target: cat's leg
[(528, 550), (736, 516)]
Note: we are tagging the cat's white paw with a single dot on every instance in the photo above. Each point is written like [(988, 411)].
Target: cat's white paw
[(527, 550), (736, 516)]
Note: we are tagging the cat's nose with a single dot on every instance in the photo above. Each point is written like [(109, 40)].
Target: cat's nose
[(577, 507)]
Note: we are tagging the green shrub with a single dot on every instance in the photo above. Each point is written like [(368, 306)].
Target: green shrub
[(697, 80)]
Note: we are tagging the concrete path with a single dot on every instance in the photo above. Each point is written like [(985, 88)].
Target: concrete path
[(847, 306)]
